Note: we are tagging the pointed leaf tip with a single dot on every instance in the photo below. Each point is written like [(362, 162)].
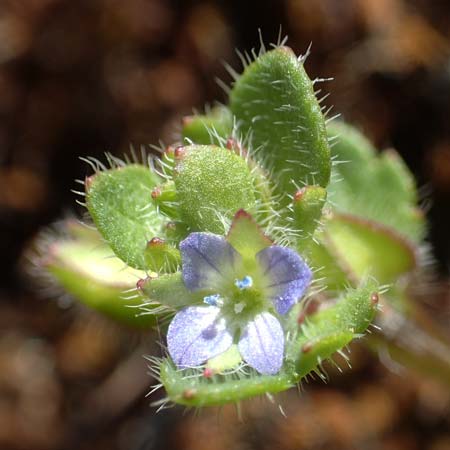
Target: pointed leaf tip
[(246, 236)]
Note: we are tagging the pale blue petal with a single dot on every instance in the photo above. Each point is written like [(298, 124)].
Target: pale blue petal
[(196, 334), (286, 276), (262, 344), (208, 261)]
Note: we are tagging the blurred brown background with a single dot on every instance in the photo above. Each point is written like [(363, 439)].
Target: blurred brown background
[(83, 77)]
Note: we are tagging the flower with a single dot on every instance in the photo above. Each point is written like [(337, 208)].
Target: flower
[(246, 283)]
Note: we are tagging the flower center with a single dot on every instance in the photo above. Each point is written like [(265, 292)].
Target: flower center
[(239, 304), (245, 283)]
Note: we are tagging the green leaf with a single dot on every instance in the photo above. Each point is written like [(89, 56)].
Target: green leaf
[(200, 391), (380, 188), (307, 211), (274, 101), (212, 184), (88, 270), (352, 248), (329, 268), (367, 248), (317, 349), (119, 201), (169, 290), (331, 329), (160, 256), (213, 128), (175, 231)]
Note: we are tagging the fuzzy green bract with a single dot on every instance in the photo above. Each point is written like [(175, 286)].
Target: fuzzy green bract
[(118, 201), (274, 102), (212, 183)]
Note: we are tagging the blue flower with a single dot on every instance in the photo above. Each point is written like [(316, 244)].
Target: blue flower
[(243, 295)]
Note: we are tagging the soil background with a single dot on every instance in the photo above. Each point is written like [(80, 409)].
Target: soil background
[(78, 78)]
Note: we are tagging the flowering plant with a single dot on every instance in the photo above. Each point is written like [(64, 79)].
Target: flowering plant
[(227, 230), (247, 287)]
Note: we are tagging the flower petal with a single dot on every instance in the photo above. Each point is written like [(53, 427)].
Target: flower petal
[(286, 275), (262, 344), (207, 261), (196, 334)]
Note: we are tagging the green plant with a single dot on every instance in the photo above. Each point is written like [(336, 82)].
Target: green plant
[(231, 232)]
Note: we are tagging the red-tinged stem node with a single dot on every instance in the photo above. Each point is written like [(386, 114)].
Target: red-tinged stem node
[(189, 394), (374, 299), (299, 194), (180, 152), (140, 283), (208, 372), (156, 192), (88, 182), (156, 242)]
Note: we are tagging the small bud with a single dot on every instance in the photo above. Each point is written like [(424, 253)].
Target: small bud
[(189, 394), (208, 372), (307, 347), (374, 298), (299, 194), (88, 182), (180, 152), (156, 242), (140, 283), (235, 146), (156, 192), (307, 208)]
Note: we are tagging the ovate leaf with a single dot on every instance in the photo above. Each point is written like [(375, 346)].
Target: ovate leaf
[(119, 201), (274, 102)]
